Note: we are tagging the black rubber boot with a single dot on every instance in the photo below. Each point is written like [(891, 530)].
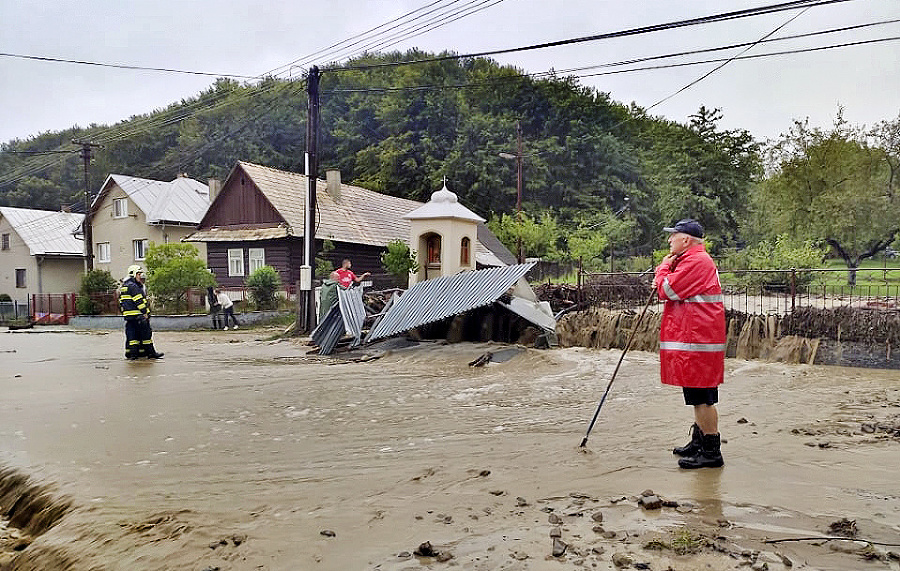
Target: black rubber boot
[(709, 456), (693, 446)]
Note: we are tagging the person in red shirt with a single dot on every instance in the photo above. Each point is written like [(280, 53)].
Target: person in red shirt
[(692, 337), (345, 277)]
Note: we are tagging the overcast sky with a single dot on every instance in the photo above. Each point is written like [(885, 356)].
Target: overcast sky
[(250, 38)]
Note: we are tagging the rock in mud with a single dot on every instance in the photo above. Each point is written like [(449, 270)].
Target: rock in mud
[(622, 560), (425, 550), (597, 516), (650, 502), (559, 547), (521, 502)]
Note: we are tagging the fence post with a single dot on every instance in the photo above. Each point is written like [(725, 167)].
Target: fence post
[(793, 287)]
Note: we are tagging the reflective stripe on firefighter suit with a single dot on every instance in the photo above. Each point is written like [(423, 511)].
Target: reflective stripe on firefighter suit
[(692, 336), (138, 334)]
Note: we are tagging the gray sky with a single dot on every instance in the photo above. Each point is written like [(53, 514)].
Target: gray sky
[(250, 38)]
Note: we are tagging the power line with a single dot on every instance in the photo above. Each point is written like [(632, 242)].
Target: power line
[(749, 12), (125, 66), (537, 75)]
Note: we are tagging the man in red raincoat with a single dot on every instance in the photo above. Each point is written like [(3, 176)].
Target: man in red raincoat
[(692, 337)]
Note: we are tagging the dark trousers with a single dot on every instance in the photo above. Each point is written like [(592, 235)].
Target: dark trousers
[(229, 312), (138, 338), (216, 319)]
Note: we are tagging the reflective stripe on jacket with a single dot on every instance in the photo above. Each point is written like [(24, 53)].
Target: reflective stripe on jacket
[(132, 301), (692, 336)]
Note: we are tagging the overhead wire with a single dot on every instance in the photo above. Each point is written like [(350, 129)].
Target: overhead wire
[(340, 47), (725, 16)]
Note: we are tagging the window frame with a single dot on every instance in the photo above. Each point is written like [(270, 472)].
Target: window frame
[(101, 250), (21, 278), (255, 260), (142, 245), (232, 258), (117, 212), (465, 249), (4, 241)]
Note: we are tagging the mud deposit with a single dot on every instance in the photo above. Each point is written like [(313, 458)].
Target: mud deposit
[(235, 452)]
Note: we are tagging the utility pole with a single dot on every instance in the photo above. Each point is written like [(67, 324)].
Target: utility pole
[(309, 232), (87, 233), (518, 156)]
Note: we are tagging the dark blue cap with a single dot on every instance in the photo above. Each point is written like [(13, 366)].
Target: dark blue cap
[(687, 226)]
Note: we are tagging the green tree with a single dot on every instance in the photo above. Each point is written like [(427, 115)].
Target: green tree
[(399, 260), (172, 269), (835, 186), (264, 284), (538, 237)]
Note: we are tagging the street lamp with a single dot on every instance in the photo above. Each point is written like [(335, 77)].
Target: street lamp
[(518, 158)]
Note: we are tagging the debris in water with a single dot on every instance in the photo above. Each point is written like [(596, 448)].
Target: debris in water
[(559, 547), (482, 360), (844, 526), (327, 533)]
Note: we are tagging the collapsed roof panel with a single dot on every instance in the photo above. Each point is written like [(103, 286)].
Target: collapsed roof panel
[(439, 298)]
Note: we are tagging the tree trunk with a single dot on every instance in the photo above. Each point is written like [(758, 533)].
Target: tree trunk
[(851, 273)]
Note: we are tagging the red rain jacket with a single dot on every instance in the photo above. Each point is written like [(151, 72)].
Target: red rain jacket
[(692, 336)]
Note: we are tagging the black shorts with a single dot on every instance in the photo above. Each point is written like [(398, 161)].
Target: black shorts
[(694, 396)]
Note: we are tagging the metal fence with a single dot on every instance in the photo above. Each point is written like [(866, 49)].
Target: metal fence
[(760, 292), (14, 311)]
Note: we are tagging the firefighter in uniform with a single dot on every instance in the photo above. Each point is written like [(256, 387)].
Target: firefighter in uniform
[(692, 338), (133, 303)]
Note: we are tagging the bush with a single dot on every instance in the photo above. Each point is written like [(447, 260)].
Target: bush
[(399, 261), (263, 284), (782, 254), (5, 297), (173, 269), (94, 282)]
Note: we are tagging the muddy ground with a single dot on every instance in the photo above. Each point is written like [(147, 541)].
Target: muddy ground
[(239, 452)]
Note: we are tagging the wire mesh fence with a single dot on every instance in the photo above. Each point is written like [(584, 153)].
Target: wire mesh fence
[(757, 292)]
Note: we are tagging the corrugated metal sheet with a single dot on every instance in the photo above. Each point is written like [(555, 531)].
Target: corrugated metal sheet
[(353, 312), (46, 232), (329, 331), (433, 300)]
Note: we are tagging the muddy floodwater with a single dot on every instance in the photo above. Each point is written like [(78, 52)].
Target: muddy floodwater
[(240, 452)]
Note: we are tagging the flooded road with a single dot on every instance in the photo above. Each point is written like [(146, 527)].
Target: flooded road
[(239, 452)]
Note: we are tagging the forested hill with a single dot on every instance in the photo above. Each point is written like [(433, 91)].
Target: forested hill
[(400, 129)]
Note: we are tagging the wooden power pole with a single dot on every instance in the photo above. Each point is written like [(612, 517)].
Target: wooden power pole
[(86, 156)]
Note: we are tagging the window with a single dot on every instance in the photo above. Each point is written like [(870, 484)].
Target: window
[(103, 252), (140, 249), (20, 277), (235, 262), (4, 242), (257, 258), (120, 208), (433, 248), (464, 252)]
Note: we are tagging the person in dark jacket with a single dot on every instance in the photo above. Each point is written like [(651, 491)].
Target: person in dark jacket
[(215, 308), (133, 303)]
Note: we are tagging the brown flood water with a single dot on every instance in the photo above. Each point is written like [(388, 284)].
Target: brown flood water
[(235, 453)]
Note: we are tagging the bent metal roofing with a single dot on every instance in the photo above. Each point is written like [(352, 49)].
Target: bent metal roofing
[(45, 232)]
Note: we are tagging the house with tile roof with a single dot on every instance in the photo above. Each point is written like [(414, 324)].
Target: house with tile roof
[(39, 252), (258, 219), (130, 212)]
